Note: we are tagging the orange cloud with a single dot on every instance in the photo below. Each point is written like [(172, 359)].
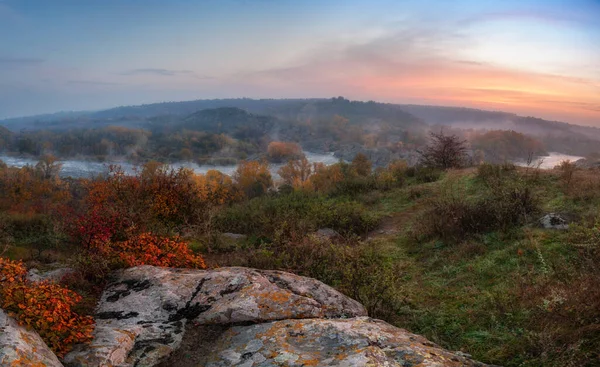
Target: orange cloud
[(422, 66)]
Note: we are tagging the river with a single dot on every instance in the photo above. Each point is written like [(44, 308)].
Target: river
[(550, 161), (87, 169)]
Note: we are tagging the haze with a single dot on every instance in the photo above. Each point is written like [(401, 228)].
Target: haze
[(539, 58)]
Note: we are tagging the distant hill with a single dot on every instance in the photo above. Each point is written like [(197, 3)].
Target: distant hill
[(309, 121)]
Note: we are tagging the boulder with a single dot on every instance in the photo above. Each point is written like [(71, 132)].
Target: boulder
[(142, 315), (234, 236), (22, 347), (554, 221), (327, 234), (360, 341), (55, 275)]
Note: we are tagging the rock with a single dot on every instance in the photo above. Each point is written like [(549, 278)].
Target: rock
[(327, 233), (142, 316), (358, 341), (22, 347), (235, 236), (55, 275), (554, 221)]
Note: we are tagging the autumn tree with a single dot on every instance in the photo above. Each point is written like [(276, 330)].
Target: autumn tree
[(253, 178), (361, 165), (280, 151), (296, 173), (48, 167), (325, 178), (444, 151)]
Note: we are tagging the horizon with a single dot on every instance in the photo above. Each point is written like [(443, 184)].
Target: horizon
[(297, 98), (531, 58)]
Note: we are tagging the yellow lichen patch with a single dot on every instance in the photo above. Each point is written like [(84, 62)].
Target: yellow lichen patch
[(26, 359)]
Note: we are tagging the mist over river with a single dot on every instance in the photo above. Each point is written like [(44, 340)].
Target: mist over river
[(87, 169), (550, 161)]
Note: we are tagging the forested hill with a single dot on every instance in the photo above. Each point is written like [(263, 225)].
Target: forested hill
[(480, 119), (382, 131)]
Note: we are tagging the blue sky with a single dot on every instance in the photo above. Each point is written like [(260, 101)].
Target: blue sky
[(531, 57)]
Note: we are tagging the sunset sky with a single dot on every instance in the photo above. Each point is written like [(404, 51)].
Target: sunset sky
[(539, 58)]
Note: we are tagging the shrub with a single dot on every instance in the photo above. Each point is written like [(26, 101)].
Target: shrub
[(453, 216), (490, 174), (45, 307), (361, 165), (444, 151), (149, 249), (296, 173), (424, 174), (253, 178), (567, 170), (298, 212), (280, 151), (584, 185)]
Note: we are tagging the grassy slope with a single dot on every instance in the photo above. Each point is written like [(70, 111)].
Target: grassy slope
[(473, 296)]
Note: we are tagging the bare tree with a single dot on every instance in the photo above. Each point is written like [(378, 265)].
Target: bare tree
[(49, 167), (444, 151)]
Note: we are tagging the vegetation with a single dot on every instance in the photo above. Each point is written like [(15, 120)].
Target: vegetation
[(501, 146), (449, 252), (444, 151), (44, 306)]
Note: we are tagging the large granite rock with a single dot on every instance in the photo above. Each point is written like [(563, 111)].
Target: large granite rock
[(142, 316), (359, 341), (243, 317), (22, 347)]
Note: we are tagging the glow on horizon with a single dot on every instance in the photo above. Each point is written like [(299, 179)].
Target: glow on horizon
[(532, 57)]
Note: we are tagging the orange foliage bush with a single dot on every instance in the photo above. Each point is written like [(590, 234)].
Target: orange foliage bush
[(253, 178), (215, 188), (45, 307), (149, 249), (279, 151), (325, 178), (296, 173)]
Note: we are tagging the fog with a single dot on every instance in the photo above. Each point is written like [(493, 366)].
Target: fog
[(550, 161), (87, 169)]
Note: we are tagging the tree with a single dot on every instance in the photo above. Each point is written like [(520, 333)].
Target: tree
[(48, 167), (279, 151), (361, 165), (253, 178), (296, 173), (444, 151)]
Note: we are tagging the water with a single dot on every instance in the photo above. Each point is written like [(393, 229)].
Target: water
[(86, 169), (550, 161)]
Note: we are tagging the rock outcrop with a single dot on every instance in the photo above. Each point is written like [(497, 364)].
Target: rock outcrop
[(22, 347), (360, 341), (150, 316), (142, 316)]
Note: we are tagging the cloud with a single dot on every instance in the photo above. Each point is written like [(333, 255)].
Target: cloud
[(163, 72), (20, 61), (418, 66), (90, 82), (541, 16)]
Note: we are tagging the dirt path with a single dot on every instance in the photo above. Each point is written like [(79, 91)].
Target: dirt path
[(396, 222)]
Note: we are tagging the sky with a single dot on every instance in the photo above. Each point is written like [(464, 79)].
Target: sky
[(531, 57)]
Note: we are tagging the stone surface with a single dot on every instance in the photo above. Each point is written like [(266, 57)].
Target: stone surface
[(234, 236), (320, 342), (142, 316), (55, 275), (327, 233), (554, 221), (22, 347)]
